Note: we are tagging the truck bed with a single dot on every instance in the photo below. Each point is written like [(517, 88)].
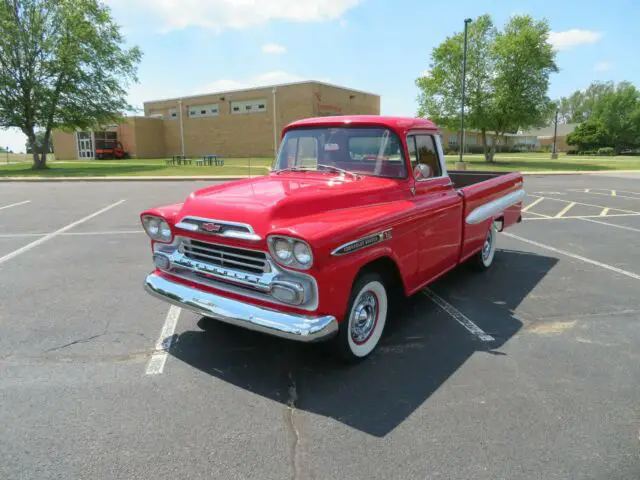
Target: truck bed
[(463, 178), (487, 196)]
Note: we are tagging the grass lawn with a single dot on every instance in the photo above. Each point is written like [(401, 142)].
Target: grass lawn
[(541, 162), (525, 162), (137, 168)]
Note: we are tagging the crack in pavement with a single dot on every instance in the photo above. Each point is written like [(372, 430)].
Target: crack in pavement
[(290, 421)]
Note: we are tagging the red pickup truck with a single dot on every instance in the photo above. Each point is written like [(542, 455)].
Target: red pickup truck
[(356, 208)]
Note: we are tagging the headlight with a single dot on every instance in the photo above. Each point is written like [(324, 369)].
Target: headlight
[(283, 250), (302, 252), (157, 228), (291, 252)]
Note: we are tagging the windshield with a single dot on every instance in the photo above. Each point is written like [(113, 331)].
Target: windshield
[(366, 151)]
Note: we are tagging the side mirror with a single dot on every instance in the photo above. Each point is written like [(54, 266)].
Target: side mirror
[(421, 171)]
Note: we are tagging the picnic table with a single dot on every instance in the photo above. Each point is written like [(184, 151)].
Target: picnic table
[(211, 159), (179, 160)]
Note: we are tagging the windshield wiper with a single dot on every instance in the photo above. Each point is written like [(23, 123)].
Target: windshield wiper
[(302, 168)]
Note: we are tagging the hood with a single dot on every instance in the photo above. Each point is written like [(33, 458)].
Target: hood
[(271, 202)]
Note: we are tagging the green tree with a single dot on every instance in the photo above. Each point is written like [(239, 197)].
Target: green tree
[(589, 135), (507, 77), (63, 65), (611, 116)]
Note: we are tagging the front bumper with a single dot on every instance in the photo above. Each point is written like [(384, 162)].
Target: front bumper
[(301, 328)]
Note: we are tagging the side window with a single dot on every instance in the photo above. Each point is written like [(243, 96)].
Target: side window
[(428, 154), (413, 153)]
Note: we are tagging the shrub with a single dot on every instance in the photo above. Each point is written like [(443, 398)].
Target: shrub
[(609, 151)]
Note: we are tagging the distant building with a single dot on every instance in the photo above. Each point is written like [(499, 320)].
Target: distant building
[(240, 123), (533, 139)]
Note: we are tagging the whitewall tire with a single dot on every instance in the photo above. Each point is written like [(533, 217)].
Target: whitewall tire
[(361, 329), (484, 258)]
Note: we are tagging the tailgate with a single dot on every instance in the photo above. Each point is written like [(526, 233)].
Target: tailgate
[(499, 196)]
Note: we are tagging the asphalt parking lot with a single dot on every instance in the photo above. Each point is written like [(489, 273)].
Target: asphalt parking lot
[(553, 395)]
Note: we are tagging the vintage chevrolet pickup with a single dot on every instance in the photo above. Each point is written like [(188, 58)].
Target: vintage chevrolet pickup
[(355, 210)]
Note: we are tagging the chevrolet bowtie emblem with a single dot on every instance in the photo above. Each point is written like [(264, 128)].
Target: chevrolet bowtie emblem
[(211, 227)]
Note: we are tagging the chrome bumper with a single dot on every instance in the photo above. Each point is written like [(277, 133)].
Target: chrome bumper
[(301, 328)]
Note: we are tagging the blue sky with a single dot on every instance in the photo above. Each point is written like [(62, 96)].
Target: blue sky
[(381, 46)]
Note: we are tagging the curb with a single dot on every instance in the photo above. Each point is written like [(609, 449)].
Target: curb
[(242, 177), (120, 179)]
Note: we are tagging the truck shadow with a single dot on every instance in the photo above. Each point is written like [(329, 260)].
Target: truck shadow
[(422, 347)]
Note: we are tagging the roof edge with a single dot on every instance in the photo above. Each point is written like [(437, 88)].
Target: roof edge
[(278, 85)]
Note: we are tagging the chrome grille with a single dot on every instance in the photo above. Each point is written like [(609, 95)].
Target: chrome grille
[(250, 261)]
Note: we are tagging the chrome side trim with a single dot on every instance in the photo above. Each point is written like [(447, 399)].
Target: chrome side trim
[(250, 234), (493, 208), (363, 242), (301, 328)]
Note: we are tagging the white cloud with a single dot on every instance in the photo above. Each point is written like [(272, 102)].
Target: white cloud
[(344, 22), (14, 139), (603, 66), (273, 48), (425, 73), (221, 14), (572, 38)]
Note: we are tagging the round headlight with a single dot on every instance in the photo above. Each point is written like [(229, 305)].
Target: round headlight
[(153, 226), (164, 230), (283, 250), (302, 253)]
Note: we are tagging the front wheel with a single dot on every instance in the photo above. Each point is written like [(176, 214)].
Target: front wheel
[(364, 321), (484, 258)]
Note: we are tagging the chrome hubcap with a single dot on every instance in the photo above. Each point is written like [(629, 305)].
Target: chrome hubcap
[(488, 243), (365, 317)]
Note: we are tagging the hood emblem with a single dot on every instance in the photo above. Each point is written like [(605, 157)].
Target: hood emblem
[(211, 227)]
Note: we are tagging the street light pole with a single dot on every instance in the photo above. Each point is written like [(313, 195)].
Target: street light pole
[(464, 75), (554, 153)]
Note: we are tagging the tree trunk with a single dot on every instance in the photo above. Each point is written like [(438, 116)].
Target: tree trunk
[(484, 145), (491, 151), (39, 159)]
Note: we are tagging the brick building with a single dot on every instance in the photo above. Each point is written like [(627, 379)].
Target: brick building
[(241, 123)]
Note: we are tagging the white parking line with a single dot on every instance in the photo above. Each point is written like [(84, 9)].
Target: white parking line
[(458, 316), (112, 232), (622, 227), (611, 193), (589, 204), (60, 231), (532, 204), (15, 204), (574, 256), (164, 343)]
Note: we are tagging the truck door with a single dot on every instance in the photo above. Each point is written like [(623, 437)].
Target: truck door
[(438, 207)]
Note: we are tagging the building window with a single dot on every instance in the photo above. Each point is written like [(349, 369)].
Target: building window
[(453, 139), (198, 111), (249, 106), (173, 113)]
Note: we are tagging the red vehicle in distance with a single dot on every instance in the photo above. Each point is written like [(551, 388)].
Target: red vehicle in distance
[(356, 209)]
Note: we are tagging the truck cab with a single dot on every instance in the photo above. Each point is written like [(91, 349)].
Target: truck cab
[(356, 209)]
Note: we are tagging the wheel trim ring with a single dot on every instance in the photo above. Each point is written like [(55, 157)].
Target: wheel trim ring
[(487, 247), (375, 320)]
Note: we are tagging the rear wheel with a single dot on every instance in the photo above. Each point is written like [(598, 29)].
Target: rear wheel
[(484, 258), (364, 321)]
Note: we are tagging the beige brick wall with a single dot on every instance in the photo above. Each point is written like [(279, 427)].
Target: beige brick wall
[(251, 134), (328, 100), (64, 145), (232, 134), (149, 138)]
